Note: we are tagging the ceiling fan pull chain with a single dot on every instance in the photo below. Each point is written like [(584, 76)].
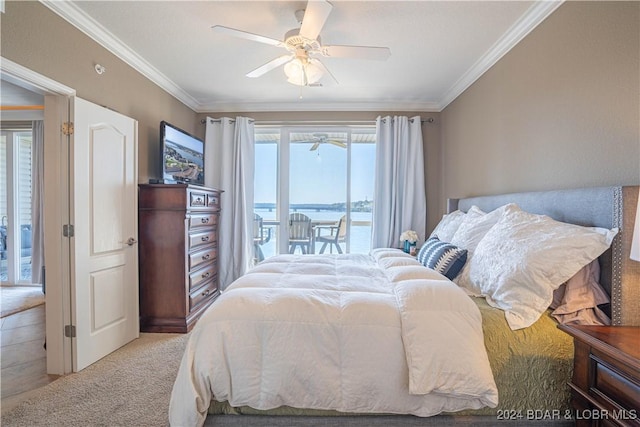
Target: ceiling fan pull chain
[(305, 81)]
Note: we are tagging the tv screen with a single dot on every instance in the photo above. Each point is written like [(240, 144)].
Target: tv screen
[(182, 155)]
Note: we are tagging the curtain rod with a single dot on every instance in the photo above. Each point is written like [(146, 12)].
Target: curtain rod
[(301, 122), (203, 121), (315, 122), (21, 107)]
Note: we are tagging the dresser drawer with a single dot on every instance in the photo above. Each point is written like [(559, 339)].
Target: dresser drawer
[(608, 381), (197, 278), (204, 220), (197, 240), (199, 296), (197, 199), (201, 257), (213, 200)]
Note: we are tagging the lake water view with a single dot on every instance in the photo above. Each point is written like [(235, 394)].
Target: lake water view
[(359, 237)]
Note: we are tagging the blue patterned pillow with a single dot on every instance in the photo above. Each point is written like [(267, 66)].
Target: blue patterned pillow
[(445, 258)]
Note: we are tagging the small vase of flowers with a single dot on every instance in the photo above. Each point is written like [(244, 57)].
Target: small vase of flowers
[(408, 239)]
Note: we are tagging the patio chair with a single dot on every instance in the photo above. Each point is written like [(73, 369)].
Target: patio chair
[(300, 233), (337, 234), (261, 235)]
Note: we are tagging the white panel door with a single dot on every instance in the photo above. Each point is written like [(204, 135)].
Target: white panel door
[(104, 246)]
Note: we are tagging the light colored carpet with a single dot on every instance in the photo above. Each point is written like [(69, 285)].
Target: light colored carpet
[(14, 299), (130, 387)]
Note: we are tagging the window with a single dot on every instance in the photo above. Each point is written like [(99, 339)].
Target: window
[(325, 173), (15, 206)]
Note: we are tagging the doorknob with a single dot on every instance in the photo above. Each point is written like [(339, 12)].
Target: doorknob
[(131, 241)]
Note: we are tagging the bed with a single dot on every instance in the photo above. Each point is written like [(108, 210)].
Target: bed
[(355, 334)]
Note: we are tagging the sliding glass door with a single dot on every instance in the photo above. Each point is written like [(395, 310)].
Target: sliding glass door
[(15, 206), (318, 190), (266, 224), (313, 189)]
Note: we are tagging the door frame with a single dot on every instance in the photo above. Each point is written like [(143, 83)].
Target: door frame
[(56, 206)]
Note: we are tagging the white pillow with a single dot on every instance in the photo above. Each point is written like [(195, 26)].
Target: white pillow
[(525, 257), (469, 234), (475, 226), (449, 223)]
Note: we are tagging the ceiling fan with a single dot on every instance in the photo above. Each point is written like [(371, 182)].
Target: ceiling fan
[(303, 44), (323, 138)]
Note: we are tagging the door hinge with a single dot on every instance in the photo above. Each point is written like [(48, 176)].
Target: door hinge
[(67, 230), (69, 331), (67, 128)]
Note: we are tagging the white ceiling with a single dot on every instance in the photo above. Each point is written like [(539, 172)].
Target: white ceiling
[(438, 48)]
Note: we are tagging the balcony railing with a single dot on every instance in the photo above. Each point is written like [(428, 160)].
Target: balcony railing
[(358, 238)]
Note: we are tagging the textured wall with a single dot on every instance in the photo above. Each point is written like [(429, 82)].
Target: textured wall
[(560, 110), (38, 39)]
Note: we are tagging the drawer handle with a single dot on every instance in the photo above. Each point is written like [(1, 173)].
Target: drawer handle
[(205, 220), (207, 292), (205, 238), (206, 257), (207, 274)]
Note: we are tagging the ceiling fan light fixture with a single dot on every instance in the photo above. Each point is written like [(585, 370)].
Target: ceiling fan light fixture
[(302, 44), (303, 72)]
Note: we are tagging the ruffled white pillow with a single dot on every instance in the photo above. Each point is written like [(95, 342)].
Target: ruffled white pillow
[(471, 231), (448, 225), (525, 257), (474, 227)]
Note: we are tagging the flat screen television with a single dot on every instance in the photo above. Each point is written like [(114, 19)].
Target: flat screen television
[(182, 156)]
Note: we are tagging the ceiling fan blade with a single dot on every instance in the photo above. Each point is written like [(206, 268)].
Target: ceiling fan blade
[(245, 35), (337, 143), (269, 66), (315, 146), (315, 16), (357, 52)]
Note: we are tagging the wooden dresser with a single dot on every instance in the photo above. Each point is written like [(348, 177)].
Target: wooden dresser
[(605, 386), (178, 252)]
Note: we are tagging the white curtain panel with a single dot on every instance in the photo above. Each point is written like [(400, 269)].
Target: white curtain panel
[(37, 201), (229, 166), (399, 199)]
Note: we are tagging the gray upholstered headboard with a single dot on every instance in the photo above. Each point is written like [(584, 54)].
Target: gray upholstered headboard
[(607, 207)]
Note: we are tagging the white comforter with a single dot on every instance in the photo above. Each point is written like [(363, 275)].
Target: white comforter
[(353, 333)]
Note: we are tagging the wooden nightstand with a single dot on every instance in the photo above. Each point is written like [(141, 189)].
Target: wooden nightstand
[(605, 387)]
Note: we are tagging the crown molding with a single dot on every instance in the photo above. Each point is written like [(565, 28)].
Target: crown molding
[(79, 19), (536, 13), (248, 107)]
